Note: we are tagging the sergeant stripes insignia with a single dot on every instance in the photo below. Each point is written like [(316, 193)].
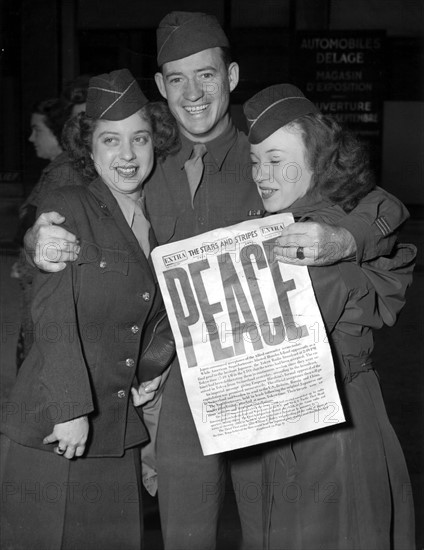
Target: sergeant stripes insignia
[(382, 225)]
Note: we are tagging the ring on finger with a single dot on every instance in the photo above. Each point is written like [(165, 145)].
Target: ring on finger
[(60, 451), (299, 253)]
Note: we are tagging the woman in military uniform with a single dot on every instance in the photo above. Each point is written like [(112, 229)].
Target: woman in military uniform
[(74, 424)]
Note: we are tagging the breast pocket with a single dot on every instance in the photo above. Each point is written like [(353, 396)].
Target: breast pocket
[(105, 260), (99, 271)]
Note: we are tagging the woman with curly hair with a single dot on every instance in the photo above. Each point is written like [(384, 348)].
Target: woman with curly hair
[(47, 121), (75, 426), (347, 486)]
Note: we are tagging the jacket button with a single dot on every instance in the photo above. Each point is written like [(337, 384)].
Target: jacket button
[(121, 394), (129, 362), (134, 329), (146, 296), (103, 264)]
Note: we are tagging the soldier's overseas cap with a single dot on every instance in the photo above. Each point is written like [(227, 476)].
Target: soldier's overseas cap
[(184, 33), (114, 96), (274, 107)]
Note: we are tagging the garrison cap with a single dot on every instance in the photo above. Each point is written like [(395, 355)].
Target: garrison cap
[(274, 107), (114, 96), (184, 33)]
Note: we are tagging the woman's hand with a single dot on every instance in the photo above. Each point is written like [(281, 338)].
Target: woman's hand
[(71, 437), (146, 391)]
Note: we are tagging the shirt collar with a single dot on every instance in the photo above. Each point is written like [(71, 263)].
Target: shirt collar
[(309, 203), (57, 161), (217, 148)]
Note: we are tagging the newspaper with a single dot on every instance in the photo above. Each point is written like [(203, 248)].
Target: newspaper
[(254, 356)]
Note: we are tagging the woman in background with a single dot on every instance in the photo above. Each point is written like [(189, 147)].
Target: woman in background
[(47, 121)]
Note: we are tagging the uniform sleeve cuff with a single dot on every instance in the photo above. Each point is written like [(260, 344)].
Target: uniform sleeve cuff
[(361, 232)]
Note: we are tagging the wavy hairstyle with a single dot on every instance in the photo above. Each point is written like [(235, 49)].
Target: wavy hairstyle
[(56, 112), (78, 136), (338, 160)]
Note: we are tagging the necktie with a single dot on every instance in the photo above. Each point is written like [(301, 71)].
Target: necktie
[(194, 168), (140, 227)]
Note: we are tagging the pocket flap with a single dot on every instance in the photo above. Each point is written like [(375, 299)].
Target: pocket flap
[(107, 259)]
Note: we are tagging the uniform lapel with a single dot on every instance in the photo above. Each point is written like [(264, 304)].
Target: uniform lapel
[(110, 212)]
